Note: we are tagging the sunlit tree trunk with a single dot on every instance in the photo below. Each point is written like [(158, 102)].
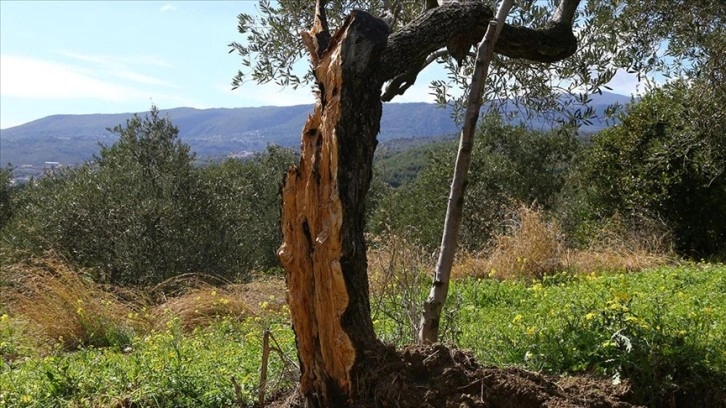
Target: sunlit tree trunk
[(323, 210), (323, 250)]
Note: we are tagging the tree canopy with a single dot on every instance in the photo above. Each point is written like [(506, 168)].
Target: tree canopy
[(375, 52), (651, 38)]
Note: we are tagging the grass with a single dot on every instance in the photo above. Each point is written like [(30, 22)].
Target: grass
[(185, 354), (166, 368), (201, 306), (534, 247), (663, 329), (68, 342), (67, 308)]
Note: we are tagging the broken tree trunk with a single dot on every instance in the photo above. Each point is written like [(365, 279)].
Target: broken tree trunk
[(323, 210), (323, 250)]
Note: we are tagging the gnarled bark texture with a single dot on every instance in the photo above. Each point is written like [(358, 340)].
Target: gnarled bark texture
[(323, 250), (323, 210)]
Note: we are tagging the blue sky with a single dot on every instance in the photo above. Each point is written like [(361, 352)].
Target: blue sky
[(63, 57), (120, 56)]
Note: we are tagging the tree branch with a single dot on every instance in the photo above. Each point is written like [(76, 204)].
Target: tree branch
[(318, 38), (440, 285), (565, 11), (401, 83), (465, 23)]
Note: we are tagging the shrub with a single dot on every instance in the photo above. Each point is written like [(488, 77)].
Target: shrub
[(532, 248), (665, 161), (142, 212), (399, 273), (245, 209), (5, 205), (135, 213), (509, 164)]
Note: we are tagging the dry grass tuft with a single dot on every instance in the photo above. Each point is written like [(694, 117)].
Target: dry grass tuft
[(396, 264), (399, 272), (534, 247), (618, 247), (67, 307), (202, 305)]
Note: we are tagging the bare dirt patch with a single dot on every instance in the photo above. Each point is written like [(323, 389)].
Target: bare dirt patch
[(436, 376)]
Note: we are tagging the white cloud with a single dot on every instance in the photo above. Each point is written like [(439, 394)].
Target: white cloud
[(141, 78), (168, 7), (251, 94), (116, 59), (628, 84), (30, 78), (418, 92), (34, 78), (119, 66)]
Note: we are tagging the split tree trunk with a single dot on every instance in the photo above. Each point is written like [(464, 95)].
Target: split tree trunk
[(323, 210), (323, 250)]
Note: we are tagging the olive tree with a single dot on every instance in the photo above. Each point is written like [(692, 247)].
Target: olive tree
[(374, 53)]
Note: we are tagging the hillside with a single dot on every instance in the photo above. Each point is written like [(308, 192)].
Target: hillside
[(70, 139)]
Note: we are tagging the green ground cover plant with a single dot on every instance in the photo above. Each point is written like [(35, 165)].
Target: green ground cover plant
[(166, 368), (663, 329)]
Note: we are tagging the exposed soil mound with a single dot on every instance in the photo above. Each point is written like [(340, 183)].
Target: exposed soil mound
[(435, 376)]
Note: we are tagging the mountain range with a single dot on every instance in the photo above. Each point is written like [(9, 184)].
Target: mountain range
[(222, 132)]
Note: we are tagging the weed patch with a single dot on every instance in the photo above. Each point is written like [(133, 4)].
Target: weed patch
[(66, 307), (664, 329)]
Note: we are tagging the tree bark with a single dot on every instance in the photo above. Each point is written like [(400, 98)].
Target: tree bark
[(429, 331), (323, 198), (323, 250), (464, 23)]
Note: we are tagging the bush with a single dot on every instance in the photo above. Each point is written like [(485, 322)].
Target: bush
[(135, 213), (509, 164), (142, 212), (246, 208), (666, 161), (5, 205)]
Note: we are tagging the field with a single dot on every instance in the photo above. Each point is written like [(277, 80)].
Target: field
[(661, 332)]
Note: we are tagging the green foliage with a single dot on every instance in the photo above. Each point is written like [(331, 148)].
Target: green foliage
[(141, 212), (6, 210), (664, 329), (509, 163), (398, 167), (166, 368), (16, 341), (671, 38), (666, 161), (135, 212), (247, 208)]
